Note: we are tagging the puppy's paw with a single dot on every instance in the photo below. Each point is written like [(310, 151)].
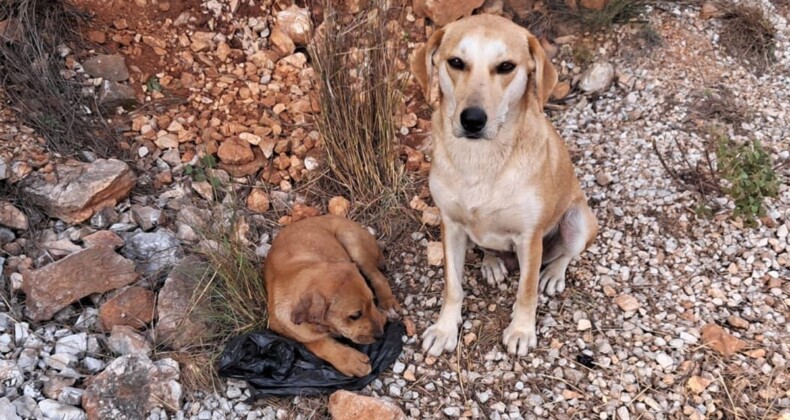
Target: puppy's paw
[(552, 279), (520, 337), (493, 269), (390, 306), (356, 364), (439, 338)]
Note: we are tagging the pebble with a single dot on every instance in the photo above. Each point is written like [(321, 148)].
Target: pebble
[(584, 325), (664, 360)]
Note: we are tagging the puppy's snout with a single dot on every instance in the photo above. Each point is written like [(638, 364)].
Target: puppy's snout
[(473, 120)]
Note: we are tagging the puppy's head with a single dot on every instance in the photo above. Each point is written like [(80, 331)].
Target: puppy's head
[(342, 304), (487, 67)]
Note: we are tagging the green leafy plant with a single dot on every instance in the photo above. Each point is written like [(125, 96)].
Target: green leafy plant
[(153, 84), (201, 171), (749, 173)]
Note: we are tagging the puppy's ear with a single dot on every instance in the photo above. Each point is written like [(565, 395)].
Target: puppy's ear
[(311, 308), (422, 62), (545, 77)]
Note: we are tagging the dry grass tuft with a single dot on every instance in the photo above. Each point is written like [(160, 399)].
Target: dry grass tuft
[(230, 297), (720, 104), (557, 13), (748, 35), (359, 95), (36, 37)]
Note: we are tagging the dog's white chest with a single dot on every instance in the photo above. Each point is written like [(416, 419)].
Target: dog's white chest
[(493, 215)]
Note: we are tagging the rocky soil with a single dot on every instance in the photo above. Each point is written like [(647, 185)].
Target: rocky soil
[(668, 315)]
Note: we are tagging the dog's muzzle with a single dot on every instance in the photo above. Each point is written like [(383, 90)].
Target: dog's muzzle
[(473, 120)]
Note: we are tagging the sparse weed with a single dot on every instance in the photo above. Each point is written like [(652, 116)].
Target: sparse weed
[(201, 172), (230, 295), (650, 35), (749, 173)]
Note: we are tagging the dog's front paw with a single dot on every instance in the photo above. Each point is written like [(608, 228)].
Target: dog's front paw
[(356, 364), (390, 306), (552, 279), (519, 337), (440, 337), (493, 269)]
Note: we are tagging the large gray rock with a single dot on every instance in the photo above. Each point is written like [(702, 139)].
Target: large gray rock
[(179, 324), (597, 78), (93, 270), (131, 386), (114, 94), (109, 67), (153, 251), (77, 190), (125, 340), (7, 410), (51, 409)]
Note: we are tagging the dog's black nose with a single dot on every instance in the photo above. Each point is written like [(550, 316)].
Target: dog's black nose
[(473, 119)]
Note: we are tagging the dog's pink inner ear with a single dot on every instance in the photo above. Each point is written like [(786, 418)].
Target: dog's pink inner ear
[(311, 308)]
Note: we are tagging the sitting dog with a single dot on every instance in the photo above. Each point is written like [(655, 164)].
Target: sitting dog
[(316, 292), (500, 173)]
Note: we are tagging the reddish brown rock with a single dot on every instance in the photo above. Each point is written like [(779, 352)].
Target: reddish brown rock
[(345, 405), (281, 43), (442, 12), (133, 307), (296, 24), (339, 206), (235, 151), (246, 169), (303, 211), (106, 238), (80, 189), (258, 201), (55, 286)]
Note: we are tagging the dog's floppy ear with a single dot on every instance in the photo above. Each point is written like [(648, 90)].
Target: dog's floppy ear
[(545, 75), (311, 308), (422, 62)]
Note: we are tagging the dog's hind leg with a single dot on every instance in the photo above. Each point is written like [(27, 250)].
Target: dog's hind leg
[(365, 253), (576, 230), (493, 268)]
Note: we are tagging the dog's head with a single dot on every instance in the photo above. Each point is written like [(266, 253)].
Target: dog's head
[(487, 67), (342, 304)]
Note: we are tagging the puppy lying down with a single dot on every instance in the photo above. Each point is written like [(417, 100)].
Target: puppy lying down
[(316, 289)]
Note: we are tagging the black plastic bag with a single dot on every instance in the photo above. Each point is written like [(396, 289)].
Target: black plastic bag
[(274, 365)]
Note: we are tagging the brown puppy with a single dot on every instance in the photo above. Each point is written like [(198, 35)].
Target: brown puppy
[(316, 292), (500, 173)]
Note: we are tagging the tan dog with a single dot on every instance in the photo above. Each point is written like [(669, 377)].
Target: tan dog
[(316, 292), (500, 174)]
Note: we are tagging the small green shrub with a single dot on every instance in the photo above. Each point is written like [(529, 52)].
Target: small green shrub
[(200, 172), (748, 170)]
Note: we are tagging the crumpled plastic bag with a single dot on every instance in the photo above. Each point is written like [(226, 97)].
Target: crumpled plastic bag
[(274, 365)]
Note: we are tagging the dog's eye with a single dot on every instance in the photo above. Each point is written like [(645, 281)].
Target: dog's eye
[(355, 316), (505, 67), (456, 63)]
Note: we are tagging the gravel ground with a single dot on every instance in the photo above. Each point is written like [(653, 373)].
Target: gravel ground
[(625, 340)]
